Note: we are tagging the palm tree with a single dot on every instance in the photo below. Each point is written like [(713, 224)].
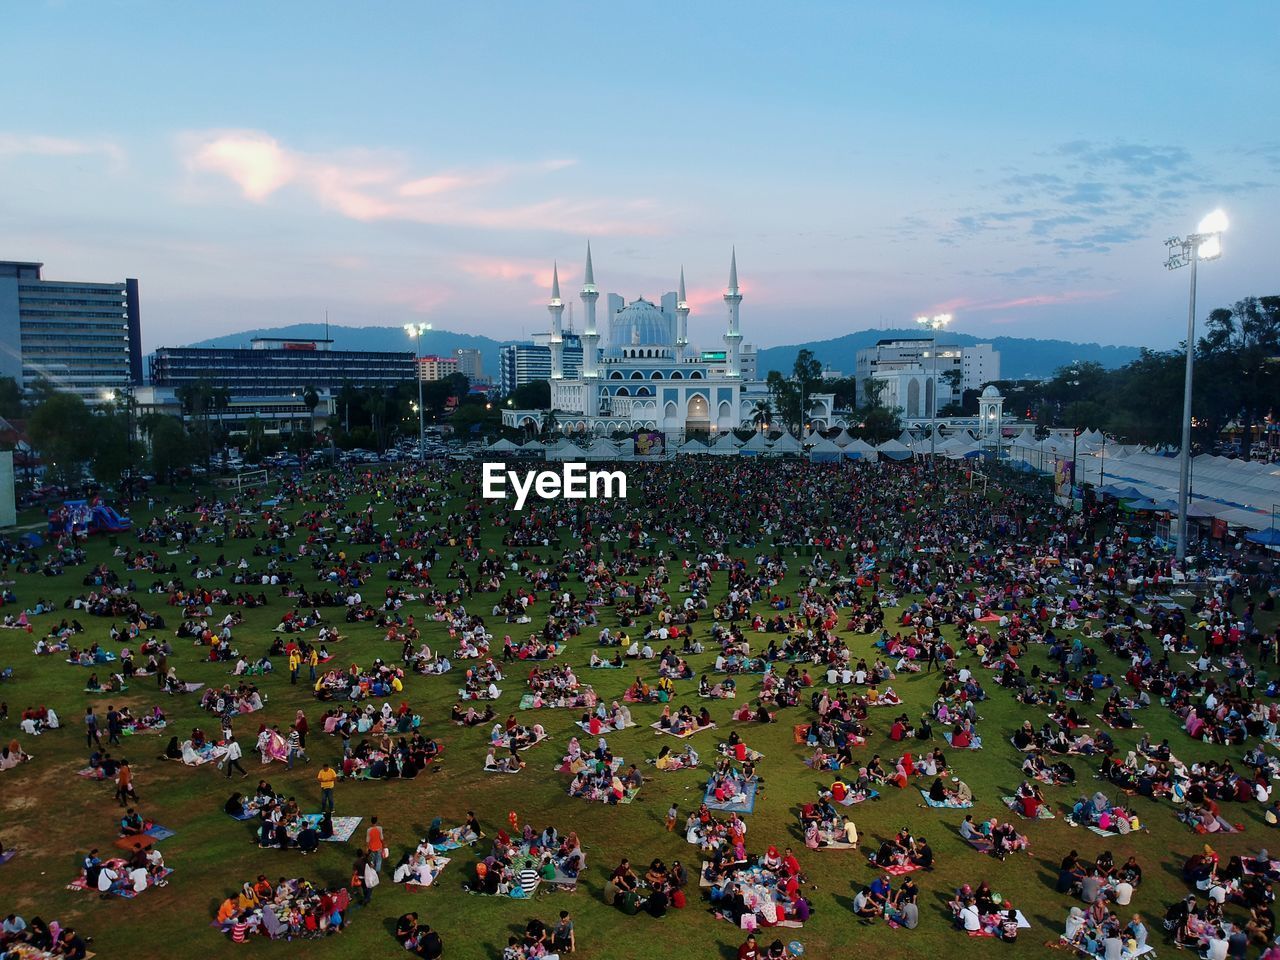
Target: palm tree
[(761, 414), (549, 423)]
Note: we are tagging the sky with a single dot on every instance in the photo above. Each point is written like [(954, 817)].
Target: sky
[(1017, 165)]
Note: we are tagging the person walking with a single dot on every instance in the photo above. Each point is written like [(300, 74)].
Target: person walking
[(313, 660), (327, 777), (124, 784), (114, 726), (92, 735), (295, 748), (232, 758), (375, 841), (295, 663)]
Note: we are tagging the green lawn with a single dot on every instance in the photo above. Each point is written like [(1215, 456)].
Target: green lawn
[(51, 816)]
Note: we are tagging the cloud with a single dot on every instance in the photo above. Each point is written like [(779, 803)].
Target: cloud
[(372, 186), (971, 306), (1094, 196), (39, 145)]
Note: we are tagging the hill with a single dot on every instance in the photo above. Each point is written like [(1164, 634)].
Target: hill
[(1020, 357)]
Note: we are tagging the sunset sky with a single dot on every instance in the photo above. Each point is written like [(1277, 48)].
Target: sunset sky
[(1019, 165)]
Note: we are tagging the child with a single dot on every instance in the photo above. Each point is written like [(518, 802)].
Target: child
[(672, 814)]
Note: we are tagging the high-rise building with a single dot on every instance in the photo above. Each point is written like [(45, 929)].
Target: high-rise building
[(521, 363), (436, 368), (471, 364), (81, 337)]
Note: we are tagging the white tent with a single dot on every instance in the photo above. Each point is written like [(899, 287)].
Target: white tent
[(726, 445), (755, 446), (503, 446), (842, 438), (859, 449), (693, 447), (786, 444), (824, 451), (894, 450), (562, 449), (601, 449)]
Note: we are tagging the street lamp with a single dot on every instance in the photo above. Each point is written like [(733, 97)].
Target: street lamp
[(416, 330), (934, 323), (1204, 244)]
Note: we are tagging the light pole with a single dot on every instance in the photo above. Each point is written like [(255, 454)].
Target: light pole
[(934, 323), (416, 330), (1204, 244)]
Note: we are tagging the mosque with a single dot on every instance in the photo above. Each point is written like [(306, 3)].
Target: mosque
[(647, 376)]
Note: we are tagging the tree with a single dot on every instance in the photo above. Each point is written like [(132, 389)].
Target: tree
[(873, 390), (111, 453), (62, 429), (1239, 378), (10, 397), (807, 370), (880, 423), (534, 395), (170, 448)]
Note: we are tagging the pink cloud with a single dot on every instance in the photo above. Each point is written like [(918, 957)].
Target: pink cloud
[(537, 273), (969, 305), (368, 186)]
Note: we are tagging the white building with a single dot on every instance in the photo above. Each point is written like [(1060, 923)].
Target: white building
[(910, 368), (648, 376)]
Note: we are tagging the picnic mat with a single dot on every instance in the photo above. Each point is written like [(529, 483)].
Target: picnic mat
[(974, 744), (657, 726), (734, 805), (948, 804), (344, 828), (852, 798), (1042, 813), (122, 888)]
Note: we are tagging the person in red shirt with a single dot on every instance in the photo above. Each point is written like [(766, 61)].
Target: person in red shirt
[(749, 950)]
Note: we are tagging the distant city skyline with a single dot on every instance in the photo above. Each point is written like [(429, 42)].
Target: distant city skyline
[(1018, 166)]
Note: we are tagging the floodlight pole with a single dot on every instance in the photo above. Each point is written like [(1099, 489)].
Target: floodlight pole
[(1182, 253)]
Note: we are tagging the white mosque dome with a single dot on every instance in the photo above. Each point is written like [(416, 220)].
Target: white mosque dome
[(990, 392), (640, 323)]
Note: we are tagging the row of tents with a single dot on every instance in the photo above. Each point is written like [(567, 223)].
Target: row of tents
[(840, 446)]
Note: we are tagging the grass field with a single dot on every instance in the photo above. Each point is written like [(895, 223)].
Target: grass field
[(51, 816)]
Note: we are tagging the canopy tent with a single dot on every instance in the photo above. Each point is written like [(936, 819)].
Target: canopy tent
[(725, 445), (562, 449), (755, 446), (503, 446), (786, 444), (824, 451), (842, 438), (859, 449), (1269, 537), (894, 450), (692, 446)]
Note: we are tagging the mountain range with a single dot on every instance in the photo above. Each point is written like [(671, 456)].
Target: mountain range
[(1020, 357)]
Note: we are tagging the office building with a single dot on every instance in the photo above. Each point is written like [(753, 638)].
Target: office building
[(471, 364), (521, 363), (436, 368), (274, 367), (82, 337)]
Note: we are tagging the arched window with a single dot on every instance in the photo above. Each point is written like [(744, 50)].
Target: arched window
[(637, 375), (656, 375), (616, 375), (622, 392), (696, 375), (677, 375), (643, 392)]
